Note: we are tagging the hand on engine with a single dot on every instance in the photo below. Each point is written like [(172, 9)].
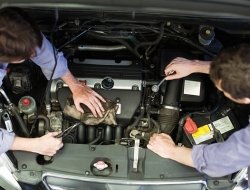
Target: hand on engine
[(181, 67), (162, 144), (85, 95)]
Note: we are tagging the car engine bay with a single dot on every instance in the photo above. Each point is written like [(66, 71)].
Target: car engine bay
[(123, 59)]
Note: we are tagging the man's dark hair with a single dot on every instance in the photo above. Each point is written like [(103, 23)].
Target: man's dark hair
[(19, 35), (232, 67)]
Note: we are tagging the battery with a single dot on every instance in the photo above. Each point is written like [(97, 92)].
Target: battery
[(222, 123)]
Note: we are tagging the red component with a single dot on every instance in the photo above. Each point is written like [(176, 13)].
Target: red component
[(26, 102), (190, 126)]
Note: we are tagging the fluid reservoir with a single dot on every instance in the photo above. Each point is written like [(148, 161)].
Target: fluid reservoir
[(27, 105)]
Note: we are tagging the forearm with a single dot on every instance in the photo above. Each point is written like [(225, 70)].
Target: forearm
[(182, 155), (25, 144), (163, 145), (71, 81), (201, 66)]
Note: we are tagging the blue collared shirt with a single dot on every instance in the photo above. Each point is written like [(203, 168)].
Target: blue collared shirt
[(45, 59), (220, 159)]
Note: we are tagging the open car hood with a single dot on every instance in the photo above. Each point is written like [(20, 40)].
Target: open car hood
[(120, 49), (203, 8)]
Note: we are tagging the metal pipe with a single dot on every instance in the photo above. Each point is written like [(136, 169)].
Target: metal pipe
[(101, 48)]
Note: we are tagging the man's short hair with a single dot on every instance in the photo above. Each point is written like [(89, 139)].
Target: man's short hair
[(232, 67), (19, 35)]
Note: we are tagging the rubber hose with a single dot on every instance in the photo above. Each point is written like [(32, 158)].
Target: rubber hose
[(96, 139), (46, 122), (20, 121), (168, 120), (169, 113)]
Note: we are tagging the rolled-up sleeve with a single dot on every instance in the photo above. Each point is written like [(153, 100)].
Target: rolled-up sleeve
[(6, 140), (224, 158), (45, 59)]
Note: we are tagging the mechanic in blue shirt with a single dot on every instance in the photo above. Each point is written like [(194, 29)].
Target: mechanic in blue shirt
[(20, 39), (230, 72)]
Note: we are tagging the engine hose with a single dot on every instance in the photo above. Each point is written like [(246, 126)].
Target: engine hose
[(169, 113), (180, 127), (96, 139), (46, 121), (155, 42), (20, 121), (168, 120), (156, 125)]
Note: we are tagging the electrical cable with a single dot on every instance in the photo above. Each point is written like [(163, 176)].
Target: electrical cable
[(46, 95)]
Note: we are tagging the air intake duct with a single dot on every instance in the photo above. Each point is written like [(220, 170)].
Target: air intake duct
[(169, 113)]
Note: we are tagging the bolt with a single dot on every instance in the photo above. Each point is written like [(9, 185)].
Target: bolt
[(24, 166), (32, 173), (87, 173), (92, 148), (162, 176)]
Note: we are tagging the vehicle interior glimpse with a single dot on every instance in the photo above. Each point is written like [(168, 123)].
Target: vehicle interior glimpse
[(122, 56)]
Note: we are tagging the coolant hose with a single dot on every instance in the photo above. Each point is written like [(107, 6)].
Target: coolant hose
[(169, 113), (46, 121), (20, 121)]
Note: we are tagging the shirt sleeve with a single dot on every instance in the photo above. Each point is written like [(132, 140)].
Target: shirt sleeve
[(224, 158), (6, 140), (3, 71), (45, 59)]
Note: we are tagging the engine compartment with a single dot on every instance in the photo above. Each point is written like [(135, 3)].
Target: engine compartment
[(123, 59)]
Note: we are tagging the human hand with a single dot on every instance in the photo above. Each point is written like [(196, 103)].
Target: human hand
[(162, 144), (85, 95), (180, 67), (48, 144)]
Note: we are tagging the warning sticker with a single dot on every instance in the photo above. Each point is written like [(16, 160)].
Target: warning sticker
[(206, 132), (203, 133), (192, 87), (223, 125)]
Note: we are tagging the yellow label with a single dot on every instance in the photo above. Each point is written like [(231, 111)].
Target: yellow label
[(204, 130)]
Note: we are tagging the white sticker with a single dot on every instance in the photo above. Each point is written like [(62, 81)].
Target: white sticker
[(223, 125), (119, 109), (8, 125), (192, 87)]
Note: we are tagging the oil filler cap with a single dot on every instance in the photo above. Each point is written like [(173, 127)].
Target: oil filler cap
[(190, 126)]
